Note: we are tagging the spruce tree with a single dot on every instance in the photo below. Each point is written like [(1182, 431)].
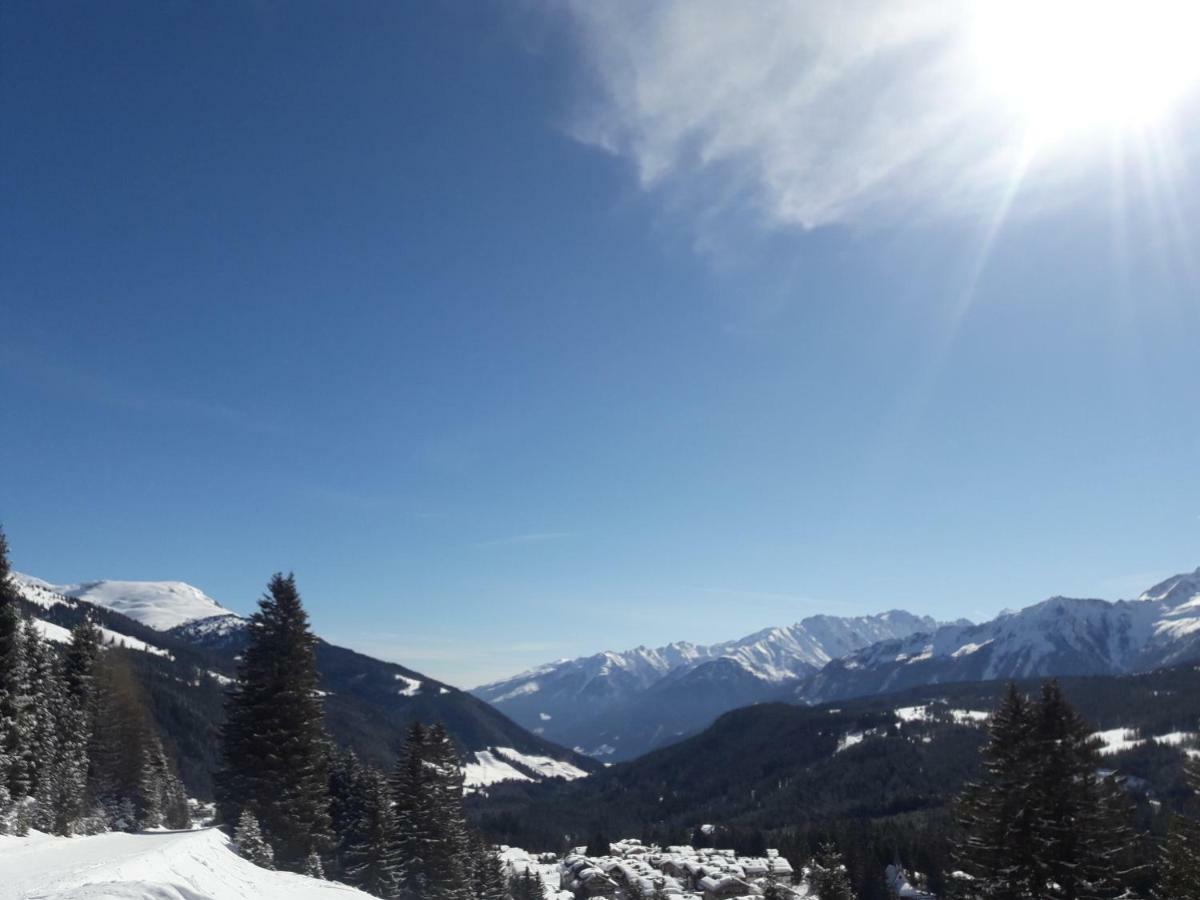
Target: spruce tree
[(127, 765), (526, 886), (150, 793), (8, 601), (249, 841), (16, 705), (1179, 859), (313, 867), (43, 677), (63, 795), (274, 741), (448, 860), (1041, 822), (1077, 838), (371, 860), (487, 878), (995, 815), (79, 662), (158, 791), (176, 812), (345, 801), (413, 805), (827, 877)]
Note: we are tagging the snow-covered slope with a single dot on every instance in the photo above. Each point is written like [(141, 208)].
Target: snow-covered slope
[(1059, 636), (618, 705), (46, 598), (158, 604), (188, 865), (497, 764)]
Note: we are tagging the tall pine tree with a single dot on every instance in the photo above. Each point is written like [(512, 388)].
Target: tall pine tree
[(448, 860), (409, 782), (274, 741), (1042, 822), (487, 873), (1077, 841), (1179, 860), (8, 623), (346, 802), (249, 842), (826, 875), (432, 840), (64, 797), (16, 699), (371, 861), (43, 676), (995, 816)]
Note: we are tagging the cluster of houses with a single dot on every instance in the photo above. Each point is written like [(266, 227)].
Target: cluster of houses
[(635, 871)]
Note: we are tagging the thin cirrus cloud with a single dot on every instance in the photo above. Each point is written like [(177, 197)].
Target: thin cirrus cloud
[(797, 114), (529, 537)]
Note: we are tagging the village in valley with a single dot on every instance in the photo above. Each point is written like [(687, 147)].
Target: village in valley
[(632, 870)]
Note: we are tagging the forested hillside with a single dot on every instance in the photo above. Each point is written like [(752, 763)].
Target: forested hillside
[(876, 772), (185, 672)]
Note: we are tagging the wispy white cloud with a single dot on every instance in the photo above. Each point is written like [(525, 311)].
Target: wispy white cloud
[(799, 114), (529, 537)]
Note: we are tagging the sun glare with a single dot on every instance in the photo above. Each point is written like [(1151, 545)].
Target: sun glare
[(1071, 66)]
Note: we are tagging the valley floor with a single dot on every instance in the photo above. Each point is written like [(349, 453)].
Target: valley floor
[(187, 865)]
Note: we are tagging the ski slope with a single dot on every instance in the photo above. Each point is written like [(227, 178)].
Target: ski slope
[(182, 865)]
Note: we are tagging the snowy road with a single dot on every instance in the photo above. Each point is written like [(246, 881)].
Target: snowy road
[(190, 865)]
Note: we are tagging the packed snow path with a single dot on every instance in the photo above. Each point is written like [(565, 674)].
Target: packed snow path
[(185, 865)]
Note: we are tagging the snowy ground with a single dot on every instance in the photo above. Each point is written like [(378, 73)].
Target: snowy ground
[(492, 765), (187, 865)]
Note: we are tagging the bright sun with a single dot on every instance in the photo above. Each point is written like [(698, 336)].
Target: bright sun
[(1072, 66)]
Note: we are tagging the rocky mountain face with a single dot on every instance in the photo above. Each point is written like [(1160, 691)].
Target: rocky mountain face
[(616, 706)]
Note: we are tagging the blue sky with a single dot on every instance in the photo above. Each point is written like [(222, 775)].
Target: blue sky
[(522, 332)]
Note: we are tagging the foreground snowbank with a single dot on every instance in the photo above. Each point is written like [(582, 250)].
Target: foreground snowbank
[(187, 865)]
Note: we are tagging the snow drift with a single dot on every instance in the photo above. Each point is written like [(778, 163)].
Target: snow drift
[(187, 865)]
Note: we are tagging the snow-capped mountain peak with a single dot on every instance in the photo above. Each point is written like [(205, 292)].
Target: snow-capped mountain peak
[(1059, 636), (160, 605), (563, 700), (1175, 590)]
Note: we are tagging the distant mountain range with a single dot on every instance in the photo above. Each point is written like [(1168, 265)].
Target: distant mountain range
[(185, 648), (616, 706), (1059, 636)]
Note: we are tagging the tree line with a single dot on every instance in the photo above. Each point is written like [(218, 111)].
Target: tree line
[(79, 751)]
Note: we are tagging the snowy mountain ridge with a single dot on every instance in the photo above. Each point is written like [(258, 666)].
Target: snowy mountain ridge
[(609, 703), (161, 605), (1058, 636), (773, 654)]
